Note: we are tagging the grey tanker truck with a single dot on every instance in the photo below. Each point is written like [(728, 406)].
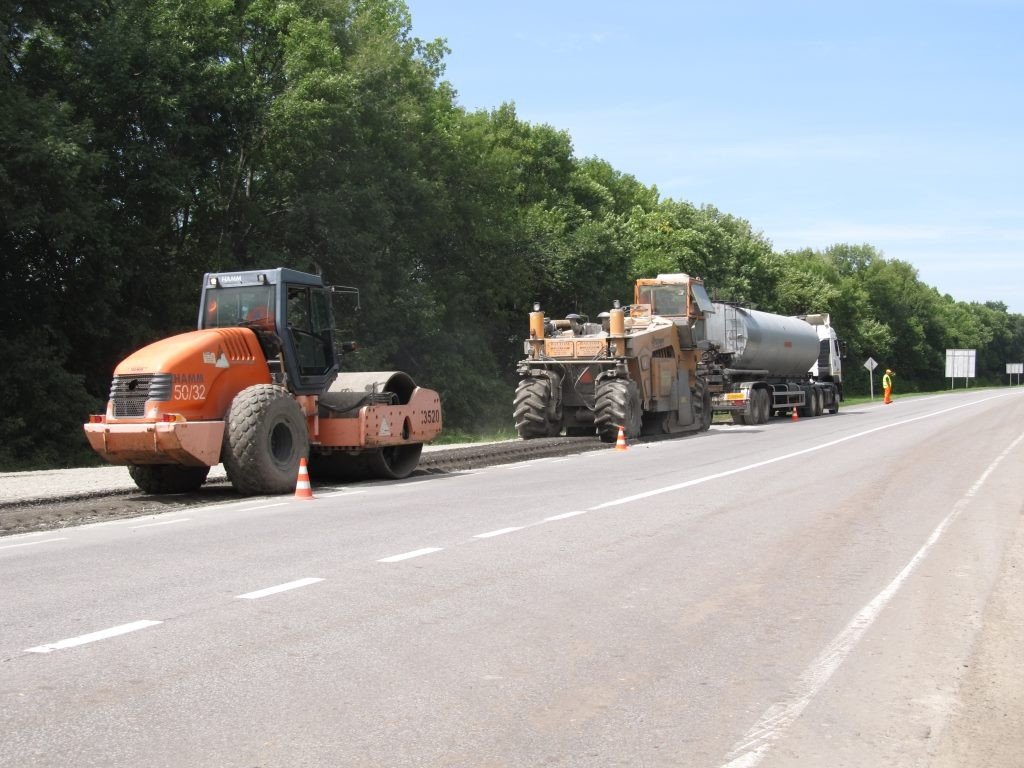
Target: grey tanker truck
[(759, 364)]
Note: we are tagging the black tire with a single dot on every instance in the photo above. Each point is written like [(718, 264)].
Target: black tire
[(758, 407), (532, 410), (167, 478), (807, 409), (819, 402), (834, 408), (738, 418), (264, 438), (617, 404), (702, 413)]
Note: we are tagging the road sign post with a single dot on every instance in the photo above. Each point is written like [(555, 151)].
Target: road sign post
[(960, 365), (870, 364)]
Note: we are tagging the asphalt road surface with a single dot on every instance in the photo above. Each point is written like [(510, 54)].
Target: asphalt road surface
[(839, 591)]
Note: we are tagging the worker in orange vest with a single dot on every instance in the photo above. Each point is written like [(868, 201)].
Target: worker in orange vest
[(887, 386)]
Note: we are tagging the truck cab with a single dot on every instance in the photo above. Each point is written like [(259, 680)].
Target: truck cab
[(831, 350)]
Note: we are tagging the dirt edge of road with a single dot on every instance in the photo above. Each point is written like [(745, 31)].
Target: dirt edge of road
[(987, 728)]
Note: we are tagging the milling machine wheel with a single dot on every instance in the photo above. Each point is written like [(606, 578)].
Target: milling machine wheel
[(167, 478), (617, 404), (265, 436), (531, 409), (703, 413)]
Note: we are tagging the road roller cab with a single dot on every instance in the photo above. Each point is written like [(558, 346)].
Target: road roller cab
[(257, 387)]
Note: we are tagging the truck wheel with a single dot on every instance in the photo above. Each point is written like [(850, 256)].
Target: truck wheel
[(807, 409), (738, 418), (265, 435), (834, 408), (531, 409), (167, 478), (617, 404), (755, 408)]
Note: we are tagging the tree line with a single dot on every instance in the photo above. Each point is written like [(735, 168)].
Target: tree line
[(146, 142)]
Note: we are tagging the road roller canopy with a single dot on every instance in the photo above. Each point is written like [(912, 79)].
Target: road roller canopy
[(293, 306)]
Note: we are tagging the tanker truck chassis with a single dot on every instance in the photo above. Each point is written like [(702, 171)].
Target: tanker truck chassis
[(760, 365), (754, 401)]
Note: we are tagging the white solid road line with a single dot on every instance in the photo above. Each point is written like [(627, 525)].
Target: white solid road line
[(163, 522), (784, 457), (564, 515), (498, 532), (410, 555), (33, 543), (93, 637), (279, 588), (777, 719)]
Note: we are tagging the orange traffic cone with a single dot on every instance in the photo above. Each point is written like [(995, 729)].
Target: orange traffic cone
[(303, 490), (620, 441), (795, 417)]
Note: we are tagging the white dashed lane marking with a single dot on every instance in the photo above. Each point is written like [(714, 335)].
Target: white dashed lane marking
[(93, 637), (498, 532), (564, 515), (410, 555), (279, 588)]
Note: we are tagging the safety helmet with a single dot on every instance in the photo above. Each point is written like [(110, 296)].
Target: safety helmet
[(887, 370)]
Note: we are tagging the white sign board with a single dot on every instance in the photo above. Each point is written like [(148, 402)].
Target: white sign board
[(870, 364), (1015, 367), (960, 363)]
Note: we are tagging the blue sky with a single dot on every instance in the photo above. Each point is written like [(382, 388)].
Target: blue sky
[(897, 124)]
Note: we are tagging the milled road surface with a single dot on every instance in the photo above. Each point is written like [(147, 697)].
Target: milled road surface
[(840, 591), (55, 499)]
